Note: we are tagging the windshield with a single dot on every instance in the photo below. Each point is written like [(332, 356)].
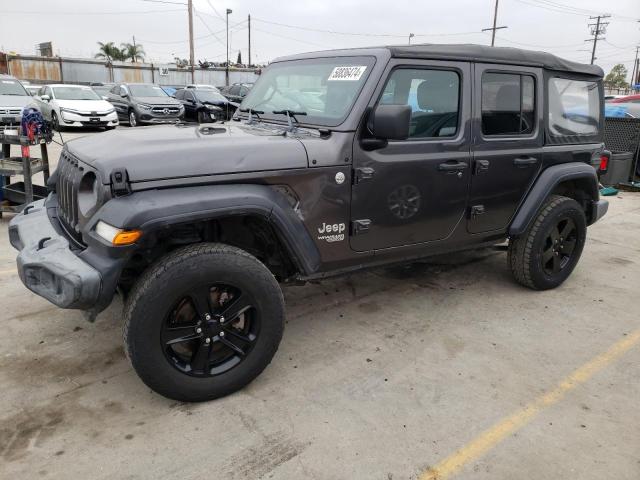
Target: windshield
[(324, 88), (102, 90), (147, 91), (75, 93), (12, 87), (209, 96)]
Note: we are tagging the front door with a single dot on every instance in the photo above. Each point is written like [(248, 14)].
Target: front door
[(508, 138), (415, 190)]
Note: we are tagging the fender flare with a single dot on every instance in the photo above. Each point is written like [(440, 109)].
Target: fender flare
[(548, 180), (150, 210)]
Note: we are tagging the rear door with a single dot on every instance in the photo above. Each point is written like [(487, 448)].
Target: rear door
[(507, 146), (415, 190)]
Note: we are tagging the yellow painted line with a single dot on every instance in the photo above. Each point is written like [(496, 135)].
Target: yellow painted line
[(497, 433)]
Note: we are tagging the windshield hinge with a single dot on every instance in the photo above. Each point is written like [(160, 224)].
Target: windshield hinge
[(120, 182)]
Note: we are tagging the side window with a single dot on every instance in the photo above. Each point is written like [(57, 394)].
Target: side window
[(41, 91), (434, 98), (508, 104), (47, 91), (123, 90), (243, 91), (574, 107), (179, 95), (234, 90), (188, 95)]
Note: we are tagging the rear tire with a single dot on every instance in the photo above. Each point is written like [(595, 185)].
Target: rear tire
[(182, 330), (546, 254)]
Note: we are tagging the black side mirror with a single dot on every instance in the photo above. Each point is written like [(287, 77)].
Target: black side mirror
[(391, 122)]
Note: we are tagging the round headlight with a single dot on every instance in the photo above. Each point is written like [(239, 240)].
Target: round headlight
[(87, 193)]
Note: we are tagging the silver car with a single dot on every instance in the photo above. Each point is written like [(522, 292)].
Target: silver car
[(13, 98)]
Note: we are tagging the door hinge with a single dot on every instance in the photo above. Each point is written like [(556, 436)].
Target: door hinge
[(120, 182), (360, 226), (481, 166), (477, 210), (365, 173)]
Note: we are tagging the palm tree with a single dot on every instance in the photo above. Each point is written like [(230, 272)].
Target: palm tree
[(135, 52), (109, 52)]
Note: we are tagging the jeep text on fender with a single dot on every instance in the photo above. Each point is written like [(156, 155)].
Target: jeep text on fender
[(367, 156)]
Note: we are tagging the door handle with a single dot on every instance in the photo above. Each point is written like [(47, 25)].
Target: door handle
[(524, 161), (452, 166)]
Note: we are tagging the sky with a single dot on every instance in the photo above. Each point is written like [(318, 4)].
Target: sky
[(285, 27)]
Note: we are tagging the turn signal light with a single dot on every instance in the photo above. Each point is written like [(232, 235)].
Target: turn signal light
[(117, 236), (127, 237)]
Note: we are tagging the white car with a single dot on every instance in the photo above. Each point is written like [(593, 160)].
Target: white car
[(75, 106)]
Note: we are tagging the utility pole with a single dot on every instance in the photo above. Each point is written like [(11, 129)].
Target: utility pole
[(597, 29), (635, 74), (494, 28), (134, 50), (227, 65), (249, 23), (191, 56)]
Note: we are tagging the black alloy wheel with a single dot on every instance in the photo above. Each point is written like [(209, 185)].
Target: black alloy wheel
[(558, 246), (210, 330)]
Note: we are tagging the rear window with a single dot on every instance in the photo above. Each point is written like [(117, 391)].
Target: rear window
[(574, 107)]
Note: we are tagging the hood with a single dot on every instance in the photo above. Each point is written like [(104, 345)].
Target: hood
[(157, 101), (170, 151), (86, 105), (15, 100)]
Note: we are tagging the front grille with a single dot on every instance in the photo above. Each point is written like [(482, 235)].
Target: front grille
[(10, 111), (165, 110), (69, 175)]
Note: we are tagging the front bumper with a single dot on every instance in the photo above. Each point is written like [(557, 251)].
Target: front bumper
[(51, 265), (150, 119), (75, 120), (46, 264)]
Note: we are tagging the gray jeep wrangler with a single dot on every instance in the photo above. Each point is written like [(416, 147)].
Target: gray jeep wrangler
[(334, 162)]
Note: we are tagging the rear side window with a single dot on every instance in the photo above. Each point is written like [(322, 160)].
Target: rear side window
[(574, 107), (433, 95), (508, 104)]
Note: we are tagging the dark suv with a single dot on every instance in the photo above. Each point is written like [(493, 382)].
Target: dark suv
[(237, 91), (205, 105), (335, 161), (144, 103)]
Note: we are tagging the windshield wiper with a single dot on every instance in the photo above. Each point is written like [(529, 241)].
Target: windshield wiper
[(290, 114), (251, 112)]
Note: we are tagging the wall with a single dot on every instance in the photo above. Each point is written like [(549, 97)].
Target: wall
[(42, 70)]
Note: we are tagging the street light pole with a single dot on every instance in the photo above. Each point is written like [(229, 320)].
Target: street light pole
[(227, 68), (411, 35), (191, 55)]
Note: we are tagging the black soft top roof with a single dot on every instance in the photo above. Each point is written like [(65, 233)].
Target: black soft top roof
[(503, 55), (465, 53)]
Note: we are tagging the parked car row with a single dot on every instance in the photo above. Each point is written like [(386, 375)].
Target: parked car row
[(107, 104)]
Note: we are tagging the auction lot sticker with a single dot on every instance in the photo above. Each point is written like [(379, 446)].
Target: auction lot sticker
[(347, 73)]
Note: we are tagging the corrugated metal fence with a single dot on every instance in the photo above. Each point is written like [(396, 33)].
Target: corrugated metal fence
[(74, 70)]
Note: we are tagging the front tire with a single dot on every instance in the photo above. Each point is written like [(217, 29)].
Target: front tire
[(133, 119), (546, 254), (55, 123), (204, 117), (203, 322)]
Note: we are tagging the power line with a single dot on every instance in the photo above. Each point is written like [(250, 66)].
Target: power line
[(133, 12), (165, 1), (357, 34)]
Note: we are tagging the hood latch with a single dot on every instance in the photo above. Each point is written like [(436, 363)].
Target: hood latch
[(120, 182)]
